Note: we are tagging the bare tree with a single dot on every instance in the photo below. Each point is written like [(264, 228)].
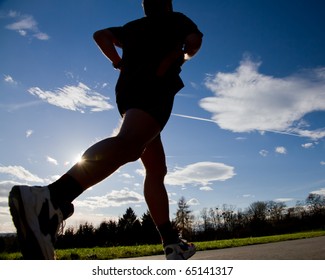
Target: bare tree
[(258, 211), (315, 203), (207, 224), (275, 210), (215, 217), (229, 216)]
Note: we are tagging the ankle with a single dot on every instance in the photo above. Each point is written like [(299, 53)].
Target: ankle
[(168, 234), (64, 191), (67, 210)]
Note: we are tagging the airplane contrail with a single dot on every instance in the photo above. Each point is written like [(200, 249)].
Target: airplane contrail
[(290, 133)]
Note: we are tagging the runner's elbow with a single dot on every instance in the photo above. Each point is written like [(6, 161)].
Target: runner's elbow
[(192, 44), (98, 35)]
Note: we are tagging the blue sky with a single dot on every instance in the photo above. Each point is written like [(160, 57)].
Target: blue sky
[(249, 125)]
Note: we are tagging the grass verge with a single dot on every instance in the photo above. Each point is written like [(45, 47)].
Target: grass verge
[(99, 253)]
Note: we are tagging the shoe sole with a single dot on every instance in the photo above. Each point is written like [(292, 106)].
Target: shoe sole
[(181, 255), (30, 245), (189, 254)]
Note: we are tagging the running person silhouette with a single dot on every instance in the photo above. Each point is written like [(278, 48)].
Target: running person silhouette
[(153, 50)]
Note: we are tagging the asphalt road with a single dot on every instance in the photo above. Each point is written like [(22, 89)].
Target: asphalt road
[(302, 249)]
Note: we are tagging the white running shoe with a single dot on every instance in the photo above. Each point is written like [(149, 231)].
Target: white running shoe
[(179, 251), (37, 221)]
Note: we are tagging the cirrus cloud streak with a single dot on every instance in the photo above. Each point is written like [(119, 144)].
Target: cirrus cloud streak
[(75, 98), (20, 173), (26, 24)]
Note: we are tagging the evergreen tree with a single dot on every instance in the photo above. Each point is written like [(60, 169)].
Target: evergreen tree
[(129, 228), (149, 231), (106, 233), (85, 236), (184, 219)]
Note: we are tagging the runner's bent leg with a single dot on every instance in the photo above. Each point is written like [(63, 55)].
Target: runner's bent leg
[(38, 211), (103, 158)]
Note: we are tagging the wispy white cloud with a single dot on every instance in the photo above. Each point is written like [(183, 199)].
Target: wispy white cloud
[(322, 163), (55, 178), (307, 145), (283, 199), (126, 176), (281, 150), (246, 100), (200, 174), (18, 106), (75, 98), (206, 188), (9, 79), (116, 130), (51, 160), (263, 153), (41, 36), (193, 202), (20, 173), (6, 224), (29, 133), (5, 187), (25, 25), (112, 199), (248, 196), (13, 14)]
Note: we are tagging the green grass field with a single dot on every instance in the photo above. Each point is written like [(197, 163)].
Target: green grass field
[(99, 253)]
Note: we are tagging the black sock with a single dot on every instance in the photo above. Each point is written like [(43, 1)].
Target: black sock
[(64, 191), (168, 234)]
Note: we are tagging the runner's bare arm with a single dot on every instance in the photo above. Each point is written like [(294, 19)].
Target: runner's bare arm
[(107, 43)]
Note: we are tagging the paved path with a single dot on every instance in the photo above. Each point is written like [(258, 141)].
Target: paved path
[(302, 249)]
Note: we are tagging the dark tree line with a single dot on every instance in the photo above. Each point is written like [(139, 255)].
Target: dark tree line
[(127, 230), (261, 218)]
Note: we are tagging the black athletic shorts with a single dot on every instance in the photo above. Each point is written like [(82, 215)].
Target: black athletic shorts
[(147, 92)]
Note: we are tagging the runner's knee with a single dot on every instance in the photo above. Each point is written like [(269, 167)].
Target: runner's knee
[(131, 150), (156, 170)]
